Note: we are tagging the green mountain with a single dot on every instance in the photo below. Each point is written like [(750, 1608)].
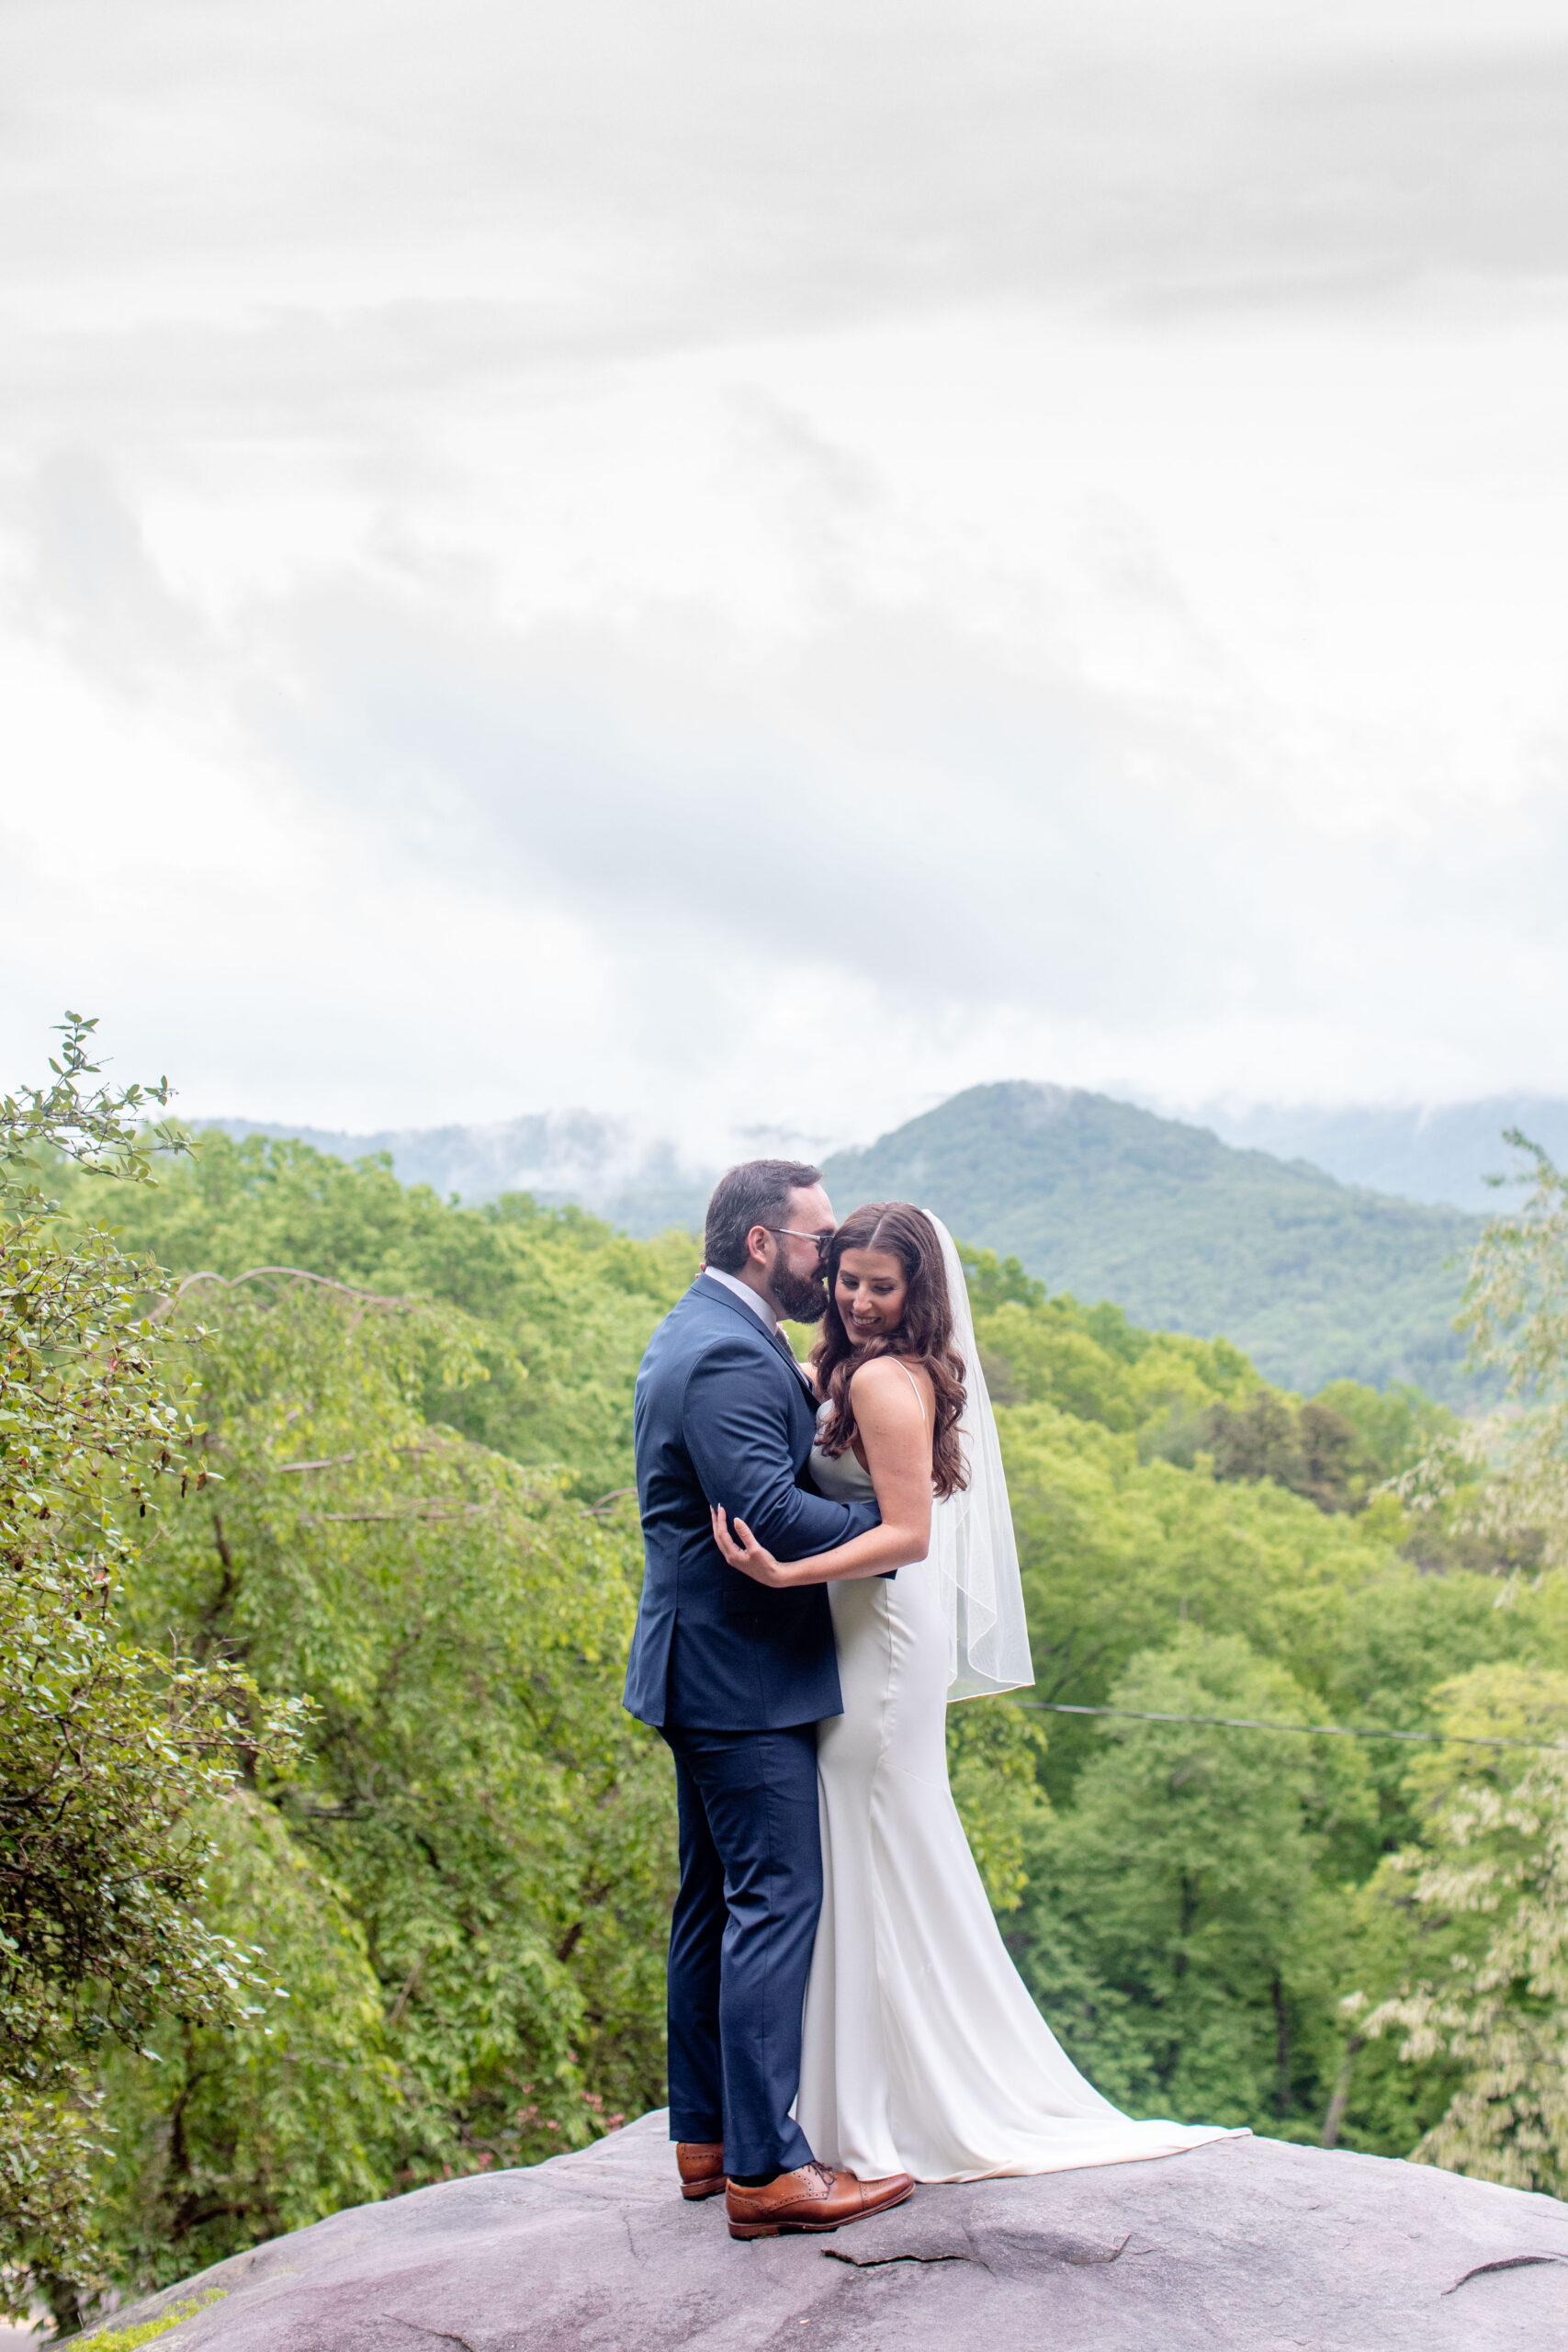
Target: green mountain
[(1318, 1281)]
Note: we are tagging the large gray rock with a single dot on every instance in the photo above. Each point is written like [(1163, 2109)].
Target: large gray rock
[(1247, 2244)]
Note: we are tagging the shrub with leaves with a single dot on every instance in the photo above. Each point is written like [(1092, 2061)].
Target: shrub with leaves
[(108, 1752)]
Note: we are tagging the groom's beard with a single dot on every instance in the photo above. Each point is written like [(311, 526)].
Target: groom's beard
[(799, 1298)]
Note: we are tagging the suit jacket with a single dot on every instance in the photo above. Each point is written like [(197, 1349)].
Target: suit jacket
[(723, 1412)]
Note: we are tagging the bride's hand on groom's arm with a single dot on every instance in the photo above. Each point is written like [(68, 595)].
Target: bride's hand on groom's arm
[(742, 1551)]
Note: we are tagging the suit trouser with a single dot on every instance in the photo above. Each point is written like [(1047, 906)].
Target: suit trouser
[(741, 1939)]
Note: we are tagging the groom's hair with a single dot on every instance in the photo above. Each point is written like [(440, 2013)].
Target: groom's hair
[(757, 1192)]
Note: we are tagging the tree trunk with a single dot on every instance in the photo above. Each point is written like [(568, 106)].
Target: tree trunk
[(1340, 2098)]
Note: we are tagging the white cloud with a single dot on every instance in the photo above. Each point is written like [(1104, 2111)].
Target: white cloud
[(739, 567)]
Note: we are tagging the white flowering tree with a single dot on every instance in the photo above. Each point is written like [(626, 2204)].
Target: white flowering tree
[(1495, 1854)]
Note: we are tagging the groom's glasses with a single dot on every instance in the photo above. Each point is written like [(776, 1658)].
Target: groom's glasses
[(823, 1240)]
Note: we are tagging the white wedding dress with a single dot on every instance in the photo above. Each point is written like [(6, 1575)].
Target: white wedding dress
[(924, 2050)]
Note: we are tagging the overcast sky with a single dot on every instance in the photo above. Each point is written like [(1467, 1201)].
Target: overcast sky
[(742, 564)]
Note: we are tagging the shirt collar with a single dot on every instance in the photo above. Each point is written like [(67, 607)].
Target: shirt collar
[(762, 1307)]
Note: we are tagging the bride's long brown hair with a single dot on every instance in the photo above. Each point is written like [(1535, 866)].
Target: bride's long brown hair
[(923, 1335)]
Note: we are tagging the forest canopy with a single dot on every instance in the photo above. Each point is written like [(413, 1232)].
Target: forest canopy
[(405, 1560)]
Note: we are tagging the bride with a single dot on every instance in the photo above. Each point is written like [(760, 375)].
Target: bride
[(923, 2052)]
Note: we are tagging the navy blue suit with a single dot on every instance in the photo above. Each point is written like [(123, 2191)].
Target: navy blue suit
[(737, 1678)]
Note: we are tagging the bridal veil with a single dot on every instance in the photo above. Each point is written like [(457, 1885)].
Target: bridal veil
[(974, 1549)]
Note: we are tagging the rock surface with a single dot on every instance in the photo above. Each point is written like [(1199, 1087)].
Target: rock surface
[(1247, 2244)]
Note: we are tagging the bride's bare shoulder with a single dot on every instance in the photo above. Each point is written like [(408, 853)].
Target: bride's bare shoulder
[(888, 1385)]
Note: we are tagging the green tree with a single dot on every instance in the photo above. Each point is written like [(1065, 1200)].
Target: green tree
[(111, 1754), (225, 2137), (462, 1889), (1172, 1925), (562, 1306), (1505, 1478), (1393, 1426), (1117, 1553), (1481, 1998), (994, 1753), (1091, 1361), (1486, 1996)]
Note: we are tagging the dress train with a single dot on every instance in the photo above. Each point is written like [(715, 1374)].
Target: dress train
[(924, 2050)]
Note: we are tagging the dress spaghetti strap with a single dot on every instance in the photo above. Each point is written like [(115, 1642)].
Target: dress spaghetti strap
[(914, 1385)]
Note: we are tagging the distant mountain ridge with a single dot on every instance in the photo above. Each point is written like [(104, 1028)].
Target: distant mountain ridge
[(559, 1156), (1316, 1279), (1443, 1153)]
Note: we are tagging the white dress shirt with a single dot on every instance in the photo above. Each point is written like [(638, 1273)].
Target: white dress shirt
[(762, 1307)]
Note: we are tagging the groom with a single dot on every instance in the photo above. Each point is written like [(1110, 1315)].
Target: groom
[(736, 1675)]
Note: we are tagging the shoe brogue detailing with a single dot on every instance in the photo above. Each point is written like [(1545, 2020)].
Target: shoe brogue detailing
[(814, 2199), (699, 2164)]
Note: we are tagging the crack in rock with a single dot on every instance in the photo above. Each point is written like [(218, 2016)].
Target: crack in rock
[(1076, 2256), (1509, 2262), (1000, 2252), (885, 2261), (441, 2335)]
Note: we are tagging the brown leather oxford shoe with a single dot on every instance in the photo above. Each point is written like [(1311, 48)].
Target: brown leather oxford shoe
[(815, 2197), (701, 2165)]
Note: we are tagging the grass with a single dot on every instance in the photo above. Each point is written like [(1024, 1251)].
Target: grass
[(126, 2339)]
